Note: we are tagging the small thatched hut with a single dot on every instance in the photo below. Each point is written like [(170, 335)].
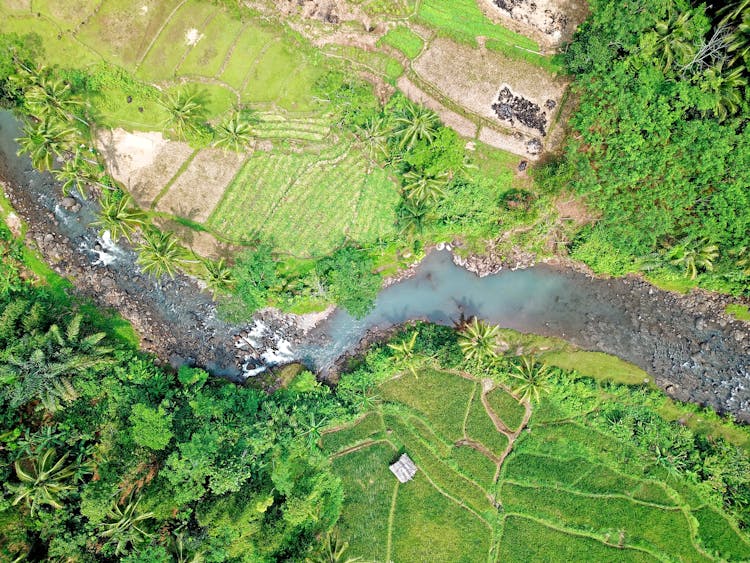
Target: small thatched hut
[(404, 468)]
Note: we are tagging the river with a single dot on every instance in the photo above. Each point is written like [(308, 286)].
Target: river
[(694, 351)]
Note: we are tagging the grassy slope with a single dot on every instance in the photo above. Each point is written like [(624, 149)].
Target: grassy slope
[(594, 505)]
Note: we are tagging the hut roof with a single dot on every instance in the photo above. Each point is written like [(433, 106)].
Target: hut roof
[(404, 468)]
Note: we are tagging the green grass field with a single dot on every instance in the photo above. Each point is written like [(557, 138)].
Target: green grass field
[(340, 199), (566, 492), (405, 40)]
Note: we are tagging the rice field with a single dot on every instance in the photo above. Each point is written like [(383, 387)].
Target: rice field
[(563, 494), (340, 197)]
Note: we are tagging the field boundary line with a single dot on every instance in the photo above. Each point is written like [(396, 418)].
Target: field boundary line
[(164, 24), (256, 60), (457, 501), (578, 492), (391, 518), (584, 534), (230, 51), (357, 446), (468, 409), (190, 48), (180, 171)]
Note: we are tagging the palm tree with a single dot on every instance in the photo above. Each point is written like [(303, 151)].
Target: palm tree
[(219, 276), (374, 137), (332, 551), (51, 97), (742, 256), (675, 39), (313, 429), (184, 553), (43, 480), (75, 173), (694, 255), (185, 111), (119, 216), (424, 188), (233, 133), (43, 372), (415, 123), (739, 40), (160, 253), (478, 341), (45, 140), (123, 527), (412, 215), (726, 86), (533, 379), (403, 354)]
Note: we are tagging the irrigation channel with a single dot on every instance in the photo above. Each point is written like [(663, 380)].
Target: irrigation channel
[(692, 349)]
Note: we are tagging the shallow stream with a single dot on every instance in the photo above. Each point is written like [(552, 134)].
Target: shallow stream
[(692, 349)]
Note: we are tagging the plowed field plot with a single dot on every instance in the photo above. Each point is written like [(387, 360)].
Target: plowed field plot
[(307, 204), (121, 30), (563, 494), (195, 193)]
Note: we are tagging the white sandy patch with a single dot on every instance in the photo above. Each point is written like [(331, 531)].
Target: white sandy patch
[(14, 224), (143, 162), (144, 10), (192, 36)]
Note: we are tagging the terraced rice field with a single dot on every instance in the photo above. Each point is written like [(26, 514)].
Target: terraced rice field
[(339, 197), (563, 492)]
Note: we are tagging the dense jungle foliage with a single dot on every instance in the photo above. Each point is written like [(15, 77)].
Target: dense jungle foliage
[(106, 456), (660, 147)]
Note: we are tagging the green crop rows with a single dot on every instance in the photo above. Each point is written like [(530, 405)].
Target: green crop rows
[(334, 189), (564, 492)]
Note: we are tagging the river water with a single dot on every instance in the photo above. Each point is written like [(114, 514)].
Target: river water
[(693, 351)]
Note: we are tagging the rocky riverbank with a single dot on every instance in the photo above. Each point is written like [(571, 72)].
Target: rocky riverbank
[(692, 348)]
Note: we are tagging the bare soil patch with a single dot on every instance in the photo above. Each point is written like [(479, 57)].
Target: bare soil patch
[(461, 124), (476, 79), (16, 5), (201, 243), (142, 162), (572, 208), (197, 191), (550, 23)]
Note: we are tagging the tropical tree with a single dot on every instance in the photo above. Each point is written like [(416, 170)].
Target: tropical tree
[(43, 371), (44, 479), (233, 133), (413, 124), (185, 111), (218, 275), (533, 379), (124, 526), (160, 253), (674, 39), (726, 87), (119, 216), (51, 97), (75, 173), (412, 215), (403, 354), (420, 187), (184, 551), (332, 550), (45, 140), (739, 40), (478, 341), (694, 255), (373, 135), (313, 428)]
